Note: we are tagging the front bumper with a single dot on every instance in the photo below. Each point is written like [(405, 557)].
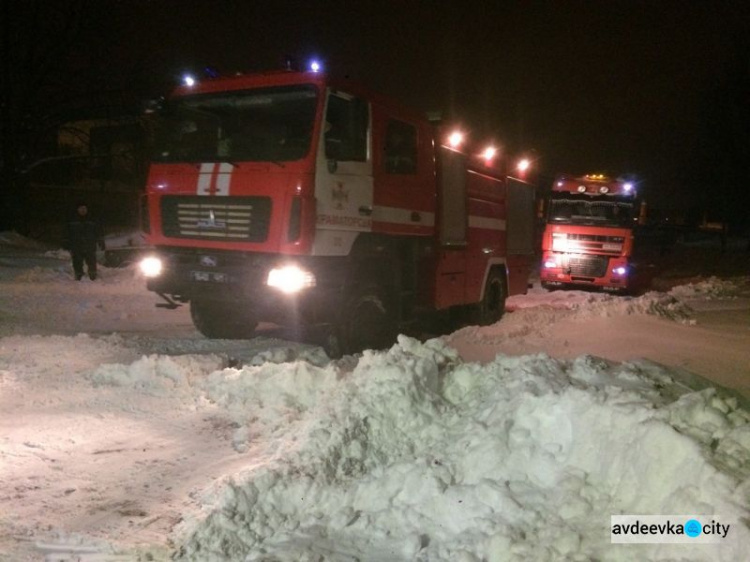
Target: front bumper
[(241, 279), (593, 270)]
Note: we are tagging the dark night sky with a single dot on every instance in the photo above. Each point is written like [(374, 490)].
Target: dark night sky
[(607, 86)]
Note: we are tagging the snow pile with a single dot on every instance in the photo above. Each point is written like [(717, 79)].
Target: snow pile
[(653, 303), (35, 356), (718, 423), (537, 296), (589, 304), (58, 253), (157, 375), (414, 455), (539, 320), (711, 288), (263, 400), (289, 353), (12, 239), (63, 272)]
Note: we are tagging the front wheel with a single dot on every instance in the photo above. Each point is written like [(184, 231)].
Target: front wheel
[(222, 320), (367, 321)]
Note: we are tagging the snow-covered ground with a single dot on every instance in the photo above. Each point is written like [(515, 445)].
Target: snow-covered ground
[(125, 435)]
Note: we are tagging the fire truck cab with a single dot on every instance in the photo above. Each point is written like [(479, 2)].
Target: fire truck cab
[(588, 235), (294, 198)]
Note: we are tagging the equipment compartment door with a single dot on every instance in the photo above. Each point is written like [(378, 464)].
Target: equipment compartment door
[(453, 226), (520, 234)]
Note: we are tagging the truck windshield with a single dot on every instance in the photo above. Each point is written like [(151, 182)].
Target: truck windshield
[(263, 125), (600, 212)]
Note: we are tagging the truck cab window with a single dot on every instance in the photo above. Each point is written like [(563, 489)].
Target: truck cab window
[(400, 148), (264, 124), (583, 210), (346, 128)]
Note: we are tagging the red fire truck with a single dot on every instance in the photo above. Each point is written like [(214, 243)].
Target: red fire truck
[(292, 198), (588, 237)]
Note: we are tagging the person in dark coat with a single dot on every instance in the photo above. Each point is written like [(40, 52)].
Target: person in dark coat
[(82, 238)]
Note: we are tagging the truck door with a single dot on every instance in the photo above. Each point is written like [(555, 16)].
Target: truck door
[(343, 177)]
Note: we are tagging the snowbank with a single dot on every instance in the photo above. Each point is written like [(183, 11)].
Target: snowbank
[(712, 288), (590, 304), (414, 455)]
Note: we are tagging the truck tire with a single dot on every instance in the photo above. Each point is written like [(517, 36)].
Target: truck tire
[(367, 320), (492, 306), (222, 320)]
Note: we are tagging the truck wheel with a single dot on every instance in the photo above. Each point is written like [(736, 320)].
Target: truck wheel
[(222, 320), (367, 320), (492, 306)]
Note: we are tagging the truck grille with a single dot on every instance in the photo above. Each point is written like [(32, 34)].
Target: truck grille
[(588, 266), (594, 237), (240, 219), (611, 245)]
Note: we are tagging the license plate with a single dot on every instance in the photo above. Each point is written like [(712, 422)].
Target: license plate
[(209, 277)]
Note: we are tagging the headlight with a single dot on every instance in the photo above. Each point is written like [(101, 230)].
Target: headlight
[(621, 270), (290, 279), (559, 242), (151, 266)]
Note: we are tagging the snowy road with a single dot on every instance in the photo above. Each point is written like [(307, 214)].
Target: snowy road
[(125, 433)]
